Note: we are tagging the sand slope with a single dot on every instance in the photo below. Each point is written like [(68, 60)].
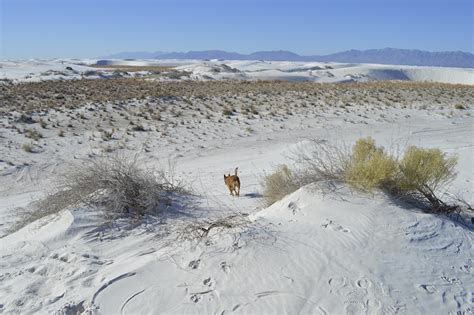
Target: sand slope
[(314, 252), (37, 70)]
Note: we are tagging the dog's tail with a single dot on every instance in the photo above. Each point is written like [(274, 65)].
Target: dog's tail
[(236, 169)]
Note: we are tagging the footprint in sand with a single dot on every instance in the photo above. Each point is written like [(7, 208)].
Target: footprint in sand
[(330, 224), (293, 207), (195, 298), (451, 280), (359, 295), (194, 264), (225, 267), (364, 283), (337, 284), (208, 282)]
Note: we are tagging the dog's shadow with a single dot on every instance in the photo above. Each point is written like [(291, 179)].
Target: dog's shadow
[(253, 195)]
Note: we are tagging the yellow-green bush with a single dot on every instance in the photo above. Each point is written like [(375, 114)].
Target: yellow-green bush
[(369, 166), (421, 175), (425, 171), (279, 184)]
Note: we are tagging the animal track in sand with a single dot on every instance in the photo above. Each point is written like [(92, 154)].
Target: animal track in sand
[(293, 207), (330, 224), (225, 267), (194, 264), (364, 283), (337, 283), (197, 296), (359, 295), (208, 282), (451, 280)]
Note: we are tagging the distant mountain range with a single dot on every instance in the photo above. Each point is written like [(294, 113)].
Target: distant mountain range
[(381, 56)]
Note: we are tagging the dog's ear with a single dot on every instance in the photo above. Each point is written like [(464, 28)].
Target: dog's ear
[(225, 176)]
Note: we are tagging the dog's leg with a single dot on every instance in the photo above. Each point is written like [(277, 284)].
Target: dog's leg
[(231, 192)]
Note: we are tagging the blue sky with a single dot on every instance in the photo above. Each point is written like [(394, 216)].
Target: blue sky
[(92, 28)]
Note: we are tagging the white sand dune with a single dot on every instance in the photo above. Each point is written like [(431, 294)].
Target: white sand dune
[(313, 252), (326, 72), (308, 253), (37, 70)]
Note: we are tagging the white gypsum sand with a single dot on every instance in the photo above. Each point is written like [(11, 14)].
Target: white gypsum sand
[(312, 252), (69, 69)]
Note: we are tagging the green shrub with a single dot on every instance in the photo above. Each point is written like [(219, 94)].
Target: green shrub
[(425, 172), (369, 166), (227, 111), (279, 184), (33, 134), (28, 147)]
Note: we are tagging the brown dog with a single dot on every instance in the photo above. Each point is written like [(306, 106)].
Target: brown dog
[(233, 183)]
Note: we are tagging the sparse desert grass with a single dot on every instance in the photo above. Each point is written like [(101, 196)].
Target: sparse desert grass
[(42, 96), (278, 184), (140, 105), (33, 134), (227, 111), (107, 134), (28, 147), (115, 185)]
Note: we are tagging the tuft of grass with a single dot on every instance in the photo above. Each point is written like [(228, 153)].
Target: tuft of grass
[(28, 147), (33, 134), (43, 124), (279, 184), (139, 127), (227, 111), (107, 135)]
